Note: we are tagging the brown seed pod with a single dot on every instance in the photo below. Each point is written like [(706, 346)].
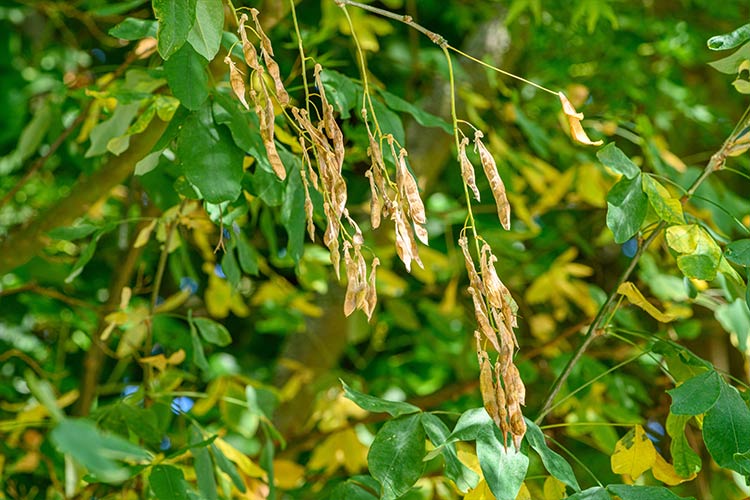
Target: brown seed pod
[(474, 279), (332, 128), (492, 285), (496, 183), (266, 118), (574, 122), (371, 297), (237, 82), (480, 312), (308, 206), (248, 49), (376, 204), (408, 187), (273, 68), (467, 169)]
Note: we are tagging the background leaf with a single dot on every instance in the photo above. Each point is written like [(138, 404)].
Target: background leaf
[(187, 77), (176, 18), (626, 208), (395, 456), (377, 405)]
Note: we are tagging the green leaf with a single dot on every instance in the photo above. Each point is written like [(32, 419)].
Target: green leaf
[(213, 332), (738, 252), (199, 356), (553, 462), (595, 493), (187, 76), (176, 18), (697, 394), (626, 208), (168, 483), (611, 156), (377, 405), (351, 490), (686, 461), (245, 128), (629, 492), (701, 255), (100, 453), (455, 470), (228, 468), (395, 456), (503, 468), (341, 91), (72, 232), (112, 129), (422, 117), (231, 268), (730, 40), (668, 209), (83, 259), (210, 160), (735, 319), (470, 425), (293, 207), (730, 65), (389, 122), (43, 392), (725, 430), (134, 29), (204, 467), (117, 8), (205, 36), (247, 255)]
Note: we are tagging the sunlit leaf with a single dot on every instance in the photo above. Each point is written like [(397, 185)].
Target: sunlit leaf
[(686, 461), (729, 40), (213, 332), (666, 473), (612, 157), (700, 254), (634, 453), (504, 468), (669, 209), (636, 298), (205, 36)]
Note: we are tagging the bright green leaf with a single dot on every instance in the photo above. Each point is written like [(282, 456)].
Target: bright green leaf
[(168, 483), (471, 424), (210, 160), (735, 319), (113, 128), (293, 207), (626, 208), (205, 36), (725, 430), (668, 209), (422, 117), (700, 254), (187, 76), (553, 462), (455, 470), (730, 40), (134, 29), (738, 252), (204, 467), (730, 65), (630, 492), (395, 456), (176, 18), (377, 405), (228, 468), (611, 156), (503, 468), (595, 493), (696, 395), (686, 461), (72, 232), (213, 332)]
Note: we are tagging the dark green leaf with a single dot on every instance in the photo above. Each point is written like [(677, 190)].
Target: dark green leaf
[(199, 356), (738, 252), (630, 492), (231, 268), (341, 91), (390, 123), (213, 332), (595, 493), (168, 483), (134, 29), (471, 424), (395, 456), (686, 461), (611, 156), (422, 117), (205, 36), (204, 467), (244, 127), (726, 430), (187, 76), (247, 255), (455, 470), (210, 160), (72, 232), (176, 18), (503, 469), (99, 452), (377, 405), (293, 208), (83, 259), (228, 468), (626, 208), (730, 40), (730, 65), (350, 490), (43, 392), (696, 395), (553, 462)]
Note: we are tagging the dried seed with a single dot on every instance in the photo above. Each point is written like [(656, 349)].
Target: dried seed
[(308, 206), (574, 122), (467, 169), (248, 49), (266, 119), (332, 128), (409, 188), (371, 297), (496, 183), (492, 285), (483, 321), (474, 279), (273, 68), (376, 205), (237, 81)]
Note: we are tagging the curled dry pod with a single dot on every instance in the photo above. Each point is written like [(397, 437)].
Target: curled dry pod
[(248, 49), (376, 205), (237, 82), (492, 286), (483, 321), (474, 279), (308, 163), (332, 128), (266, 118), (496, 183), (371, 297), (350, 298), (574, 122), (403, 240), (266, 50), (409, 189), (309, 209), (487, 387), (467, 169)]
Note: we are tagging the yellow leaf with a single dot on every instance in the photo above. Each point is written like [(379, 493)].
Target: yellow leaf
[(215, 390), (220, 298), (481, 492), (574, 122), (636, 298), (287, 474), (144, 234), (161, 362), (339, 449), (634, 453), (468, 456), (554, 489), (247, 466), (523, 493), (664, 472), (173, 301)]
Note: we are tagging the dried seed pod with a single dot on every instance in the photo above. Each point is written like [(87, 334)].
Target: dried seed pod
[(266, 119), (421, 234), (248, 49), (474, 279), (308, 163), (371, 297), (309, 209), (483, 321), (574, 122), (467, 169), (403, 244), (332, 128), (353, 285), (376, 205), (273, 68), (492, 285), (487, 388), (237, 82), (496, 183), (408, 186)]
